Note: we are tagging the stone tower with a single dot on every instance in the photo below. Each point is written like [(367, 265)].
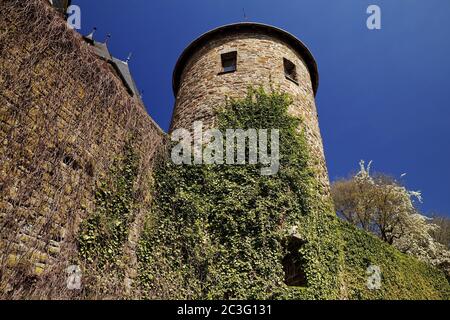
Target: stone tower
[(224, 62)]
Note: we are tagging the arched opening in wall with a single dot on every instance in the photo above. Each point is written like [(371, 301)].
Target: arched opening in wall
[(89, 169), (294, 263), (69, 161)]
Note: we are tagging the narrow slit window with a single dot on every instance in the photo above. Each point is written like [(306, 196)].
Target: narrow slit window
[(294, 264), (290, 70), (229, 62)]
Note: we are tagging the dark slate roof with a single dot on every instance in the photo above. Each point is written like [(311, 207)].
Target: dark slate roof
[(61, 5), (247, 27), (124, 72), (121, 67), (101, 49)]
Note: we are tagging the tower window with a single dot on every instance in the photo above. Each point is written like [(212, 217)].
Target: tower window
[(229, 62), (294, 264), (290, 70)]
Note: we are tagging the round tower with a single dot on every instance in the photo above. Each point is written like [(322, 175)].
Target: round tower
[(224, 62)]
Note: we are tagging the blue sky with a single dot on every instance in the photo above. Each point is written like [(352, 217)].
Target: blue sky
[(383, 95)]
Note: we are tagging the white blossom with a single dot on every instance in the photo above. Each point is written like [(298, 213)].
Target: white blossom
[(395, 218)]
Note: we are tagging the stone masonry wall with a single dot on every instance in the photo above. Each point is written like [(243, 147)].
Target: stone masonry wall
[(259, 63), (64, 118)]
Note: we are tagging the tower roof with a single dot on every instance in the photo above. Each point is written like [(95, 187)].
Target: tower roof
[(61, 5), (281, 34), (121, 68)]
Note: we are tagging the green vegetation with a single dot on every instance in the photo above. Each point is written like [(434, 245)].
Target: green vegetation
[(403, 276), (105, 232), (220, 231), (381, 205)]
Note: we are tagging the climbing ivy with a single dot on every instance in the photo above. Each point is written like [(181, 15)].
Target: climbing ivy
[(104, 233), (222, 231), (402, 276), (219, 231)]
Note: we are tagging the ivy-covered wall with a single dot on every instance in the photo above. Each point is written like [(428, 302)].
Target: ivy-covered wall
[(65, 117), (76, 188), (220, 231), (402, 277), (103, 236)]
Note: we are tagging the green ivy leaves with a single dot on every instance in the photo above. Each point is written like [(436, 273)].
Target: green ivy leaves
[(103, 235), (220, 229)]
